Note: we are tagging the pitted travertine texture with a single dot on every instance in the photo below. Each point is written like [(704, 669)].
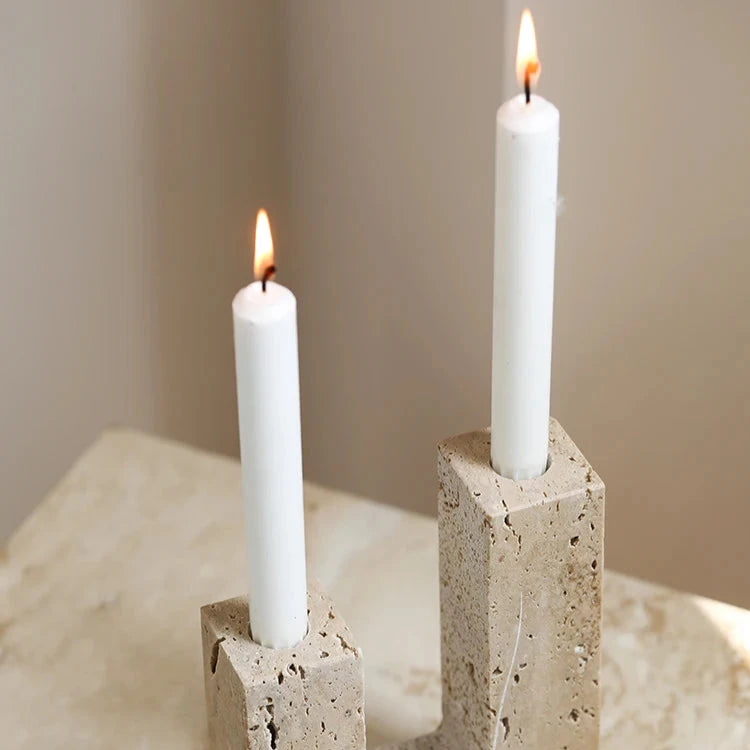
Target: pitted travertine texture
[(520, 601), (100, 592), (308, 697)]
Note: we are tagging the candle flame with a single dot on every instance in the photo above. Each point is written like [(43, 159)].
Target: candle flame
[(528, 66), (263, 244)]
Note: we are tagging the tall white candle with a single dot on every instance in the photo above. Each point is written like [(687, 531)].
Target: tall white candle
[(265, 346), (528, 134)]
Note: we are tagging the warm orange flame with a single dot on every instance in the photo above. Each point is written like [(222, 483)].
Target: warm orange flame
[(263, 244), (527, 59)]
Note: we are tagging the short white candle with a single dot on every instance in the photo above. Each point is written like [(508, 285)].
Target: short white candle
[(265, 346), (528, 134)]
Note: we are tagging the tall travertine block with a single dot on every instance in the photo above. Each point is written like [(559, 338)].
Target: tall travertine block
[(310, 696), (520, 600)]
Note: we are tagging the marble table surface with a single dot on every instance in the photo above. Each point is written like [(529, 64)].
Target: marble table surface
[(101, 586)]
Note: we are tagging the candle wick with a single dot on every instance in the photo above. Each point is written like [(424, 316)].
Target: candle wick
[(532, 67), (267, 274)]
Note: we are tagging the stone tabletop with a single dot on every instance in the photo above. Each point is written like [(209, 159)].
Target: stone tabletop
[(100, 592)]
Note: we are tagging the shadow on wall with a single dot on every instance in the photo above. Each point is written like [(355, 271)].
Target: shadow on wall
[(213, 144), (138, 139), (389, 146)]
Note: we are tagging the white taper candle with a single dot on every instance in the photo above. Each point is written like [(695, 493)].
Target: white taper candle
[(265, 345), (528, 134)]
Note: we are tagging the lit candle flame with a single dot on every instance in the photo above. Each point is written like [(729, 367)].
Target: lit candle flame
[(528, 66), (263, 246)]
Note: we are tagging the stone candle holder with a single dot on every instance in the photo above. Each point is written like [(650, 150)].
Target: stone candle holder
[(520, 609), (306, 696)]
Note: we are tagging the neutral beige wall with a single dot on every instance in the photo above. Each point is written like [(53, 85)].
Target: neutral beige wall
[(389, 144), (136, 139), (652, 349), (389, 115)]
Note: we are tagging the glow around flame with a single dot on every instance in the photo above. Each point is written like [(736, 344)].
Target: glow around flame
[(527, 59), (263, 244)]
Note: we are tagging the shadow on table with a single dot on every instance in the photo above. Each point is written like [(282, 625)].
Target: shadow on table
[(675, 674)]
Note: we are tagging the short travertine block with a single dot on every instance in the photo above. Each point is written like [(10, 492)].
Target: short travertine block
[(302, 698), (520, 601)]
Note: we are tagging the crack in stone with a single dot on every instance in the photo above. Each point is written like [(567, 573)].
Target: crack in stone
[(215, 654), (503, 720)]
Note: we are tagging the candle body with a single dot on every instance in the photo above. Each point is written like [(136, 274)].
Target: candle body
[(525, 219), (265, 344)]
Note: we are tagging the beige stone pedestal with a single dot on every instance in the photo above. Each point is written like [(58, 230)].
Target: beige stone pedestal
[(300, 698), (109, 650), (520, 601)]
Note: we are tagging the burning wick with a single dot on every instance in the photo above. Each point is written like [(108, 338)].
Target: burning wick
[(267, 274), (531, 68), (263, 264)]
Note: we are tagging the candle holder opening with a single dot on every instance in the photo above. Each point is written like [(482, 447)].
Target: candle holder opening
[(547, 467), (260, 645)]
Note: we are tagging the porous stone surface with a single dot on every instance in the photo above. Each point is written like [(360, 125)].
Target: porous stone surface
[(101, 589), (307, 697), (520, 601)]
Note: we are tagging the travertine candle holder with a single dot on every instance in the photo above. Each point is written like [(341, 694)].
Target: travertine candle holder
[(520, 601), (299, 698), (520, 609)]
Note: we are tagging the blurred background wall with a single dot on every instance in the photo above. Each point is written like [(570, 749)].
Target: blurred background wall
[(138, 142), (390, 111), (651, 365)]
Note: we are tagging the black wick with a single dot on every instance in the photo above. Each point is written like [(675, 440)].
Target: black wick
[(532, 66), (527, 83), (267, 274)]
